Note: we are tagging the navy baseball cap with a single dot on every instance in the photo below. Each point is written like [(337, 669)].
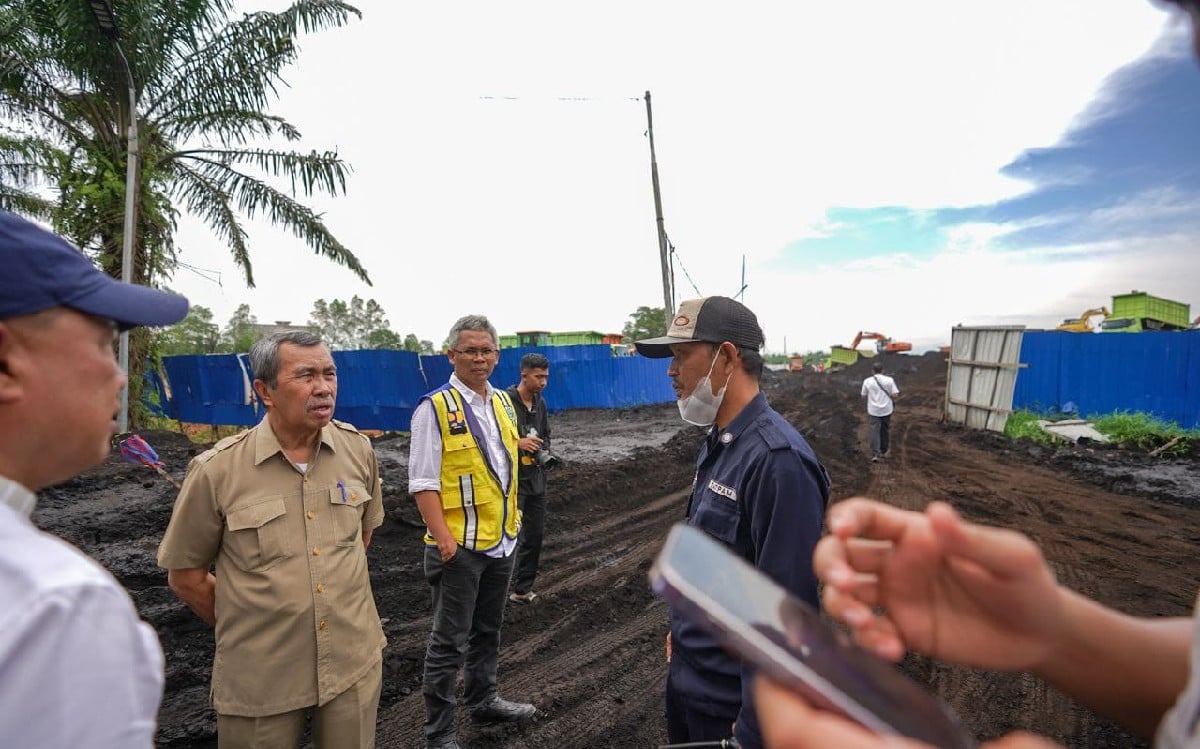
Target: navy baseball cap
[(40, 270), (713, 319)]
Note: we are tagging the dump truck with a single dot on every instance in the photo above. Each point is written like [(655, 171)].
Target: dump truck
[(1138, 311), (841, 357)]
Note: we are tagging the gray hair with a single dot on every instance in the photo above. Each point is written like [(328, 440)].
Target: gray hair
[(478, 323), (264, 354)]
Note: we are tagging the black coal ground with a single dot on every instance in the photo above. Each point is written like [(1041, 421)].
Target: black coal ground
[(1115, 523)]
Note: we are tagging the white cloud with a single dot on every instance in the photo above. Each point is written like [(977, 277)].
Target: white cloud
[(538, 212), (920, 300), (1165, 202)]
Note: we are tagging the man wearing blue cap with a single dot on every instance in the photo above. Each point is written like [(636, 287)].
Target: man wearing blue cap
[(77, 665)]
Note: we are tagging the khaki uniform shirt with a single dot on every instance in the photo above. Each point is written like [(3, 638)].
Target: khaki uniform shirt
[(296, 623)]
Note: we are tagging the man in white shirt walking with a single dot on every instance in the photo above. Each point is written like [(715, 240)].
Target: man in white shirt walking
[(881, 394), (78, 668)]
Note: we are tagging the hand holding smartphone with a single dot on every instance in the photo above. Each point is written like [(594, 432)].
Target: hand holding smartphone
[(788, 640)]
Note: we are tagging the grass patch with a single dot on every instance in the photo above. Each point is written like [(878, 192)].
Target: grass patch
[(1139, 430), (1025, 424), (1144, 431), (198, 433)]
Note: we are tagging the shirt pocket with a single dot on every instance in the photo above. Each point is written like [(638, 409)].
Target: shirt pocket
[(257, 535), (718, 516), (347, 505)]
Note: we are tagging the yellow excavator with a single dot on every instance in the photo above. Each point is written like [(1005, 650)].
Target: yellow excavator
[(1082, 324)]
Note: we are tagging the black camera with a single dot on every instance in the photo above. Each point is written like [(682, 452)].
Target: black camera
[(547, 460), (544, 458)]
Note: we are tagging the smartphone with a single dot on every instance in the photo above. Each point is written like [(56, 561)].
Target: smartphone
[(786, 638)]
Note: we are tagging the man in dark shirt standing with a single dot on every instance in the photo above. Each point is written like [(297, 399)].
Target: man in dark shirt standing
[(533, 424), (759, 489)]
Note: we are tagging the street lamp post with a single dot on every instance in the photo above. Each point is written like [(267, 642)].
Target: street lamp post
[(107, 22)]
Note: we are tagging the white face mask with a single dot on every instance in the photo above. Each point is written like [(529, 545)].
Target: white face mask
[(700, 408)]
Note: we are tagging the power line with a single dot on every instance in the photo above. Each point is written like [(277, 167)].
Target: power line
[(212, 276), (490, 97), (675, 254)]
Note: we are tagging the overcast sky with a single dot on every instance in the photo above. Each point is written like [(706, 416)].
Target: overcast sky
[(896, 167)]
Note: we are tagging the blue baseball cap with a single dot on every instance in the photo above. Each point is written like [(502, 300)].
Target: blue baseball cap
[(40, 270)]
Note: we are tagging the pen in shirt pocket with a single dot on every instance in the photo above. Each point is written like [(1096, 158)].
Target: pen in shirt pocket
[(342, 488)]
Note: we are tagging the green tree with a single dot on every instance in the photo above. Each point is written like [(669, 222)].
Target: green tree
[(359, 324), (239, 333), (384, 339), (203, 83), (647, 322), (331, 321), (411, 343), (195, 334)]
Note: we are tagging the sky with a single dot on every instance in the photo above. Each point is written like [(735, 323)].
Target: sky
[(893, 167)]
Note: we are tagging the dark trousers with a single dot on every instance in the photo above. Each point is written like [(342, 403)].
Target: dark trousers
[(529, 544), (689, 720), (879, 434), (469, 593)]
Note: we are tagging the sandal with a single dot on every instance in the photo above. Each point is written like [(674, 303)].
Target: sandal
[(523, 597)]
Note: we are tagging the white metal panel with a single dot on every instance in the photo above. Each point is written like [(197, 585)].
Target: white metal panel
[(982, 375)]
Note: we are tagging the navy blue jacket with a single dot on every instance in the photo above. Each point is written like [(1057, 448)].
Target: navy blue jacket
[(760, 490)]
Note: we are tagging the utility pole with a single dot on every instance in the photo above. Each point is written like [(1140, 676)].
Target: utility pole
[(664, 256), (107, 21)]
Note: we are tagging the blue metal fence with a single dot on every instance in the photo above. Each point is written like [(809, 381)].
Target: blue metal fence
[(1152, 372), (380, 389)]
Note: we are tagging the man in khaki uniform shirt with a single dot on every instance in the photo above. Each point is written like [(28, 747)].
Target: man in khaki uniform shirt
[(285, 510)]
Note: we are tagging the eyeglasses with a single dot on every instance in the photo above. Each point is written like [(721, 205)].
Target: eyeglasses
[(475, 353)]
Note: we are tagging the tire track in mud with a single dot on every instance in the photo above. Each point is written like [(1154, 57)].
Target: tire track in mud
[(548, 643), (626, 673), (984, 489), (592, 559), (610, 547), (589, 653), (982, 699), (629, 668)]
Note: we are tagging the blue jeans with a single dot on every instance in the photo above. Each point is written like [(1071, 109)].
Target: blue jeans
[(469, 592)]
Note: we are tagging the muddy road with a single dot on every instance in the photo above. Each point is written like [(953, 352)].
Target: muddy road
[(1115, 524)]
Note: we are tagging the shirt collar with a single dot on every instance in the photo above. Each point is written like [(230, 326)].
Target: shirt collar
[(17, 496), (745, 417), (467, 393), (267, 444)]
